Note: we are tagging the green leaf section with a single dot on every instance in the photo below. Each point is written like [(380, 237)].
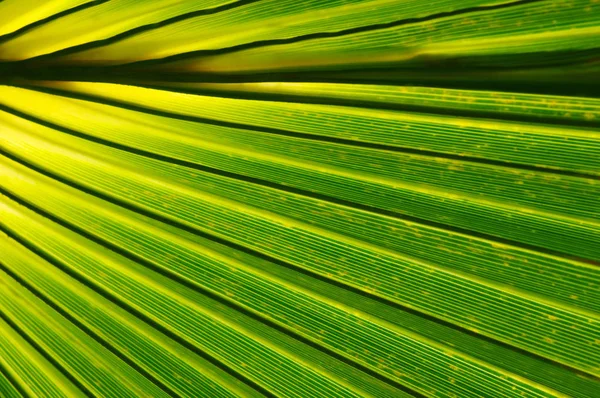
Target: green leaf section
[(333, 318), (245, 346), (173, 366), (490, 104), (267, 20), (346, 198), (524, 34), (34, 374), (17, 14), (194, 143), (8, 389), (498, 201), (100, 22), (522, 143), (442, 293), (70, 347)]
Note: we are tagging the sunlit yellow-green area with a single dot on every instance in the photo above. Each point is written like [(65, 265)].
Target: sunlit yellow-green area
[(303, 199)]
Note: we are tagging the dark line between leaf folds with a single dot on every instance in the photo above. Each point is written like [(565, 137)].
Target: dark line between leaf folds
[(51, 18), (141, 29), (282, 132), (114, 299), (58, 308), (372, 104), (43, 352), (6, 374), (325, 35), (235, 246), (269, 184), (194, 286)]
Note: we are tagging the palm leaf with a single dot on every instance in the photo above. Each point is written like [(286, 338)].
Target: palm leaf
[(346, 198)]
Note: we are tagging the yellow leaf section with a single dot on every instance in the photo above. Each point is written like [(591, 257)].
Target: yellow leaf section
[(97, 23), (16, 14)]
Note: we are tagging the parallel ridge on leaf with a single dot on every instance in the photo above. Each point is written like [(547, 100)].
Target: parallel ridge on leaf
[(347, 198)]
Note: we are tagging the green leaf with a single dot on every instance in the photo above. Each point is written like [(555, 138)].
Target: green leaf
[(102, 21), (346, 198)]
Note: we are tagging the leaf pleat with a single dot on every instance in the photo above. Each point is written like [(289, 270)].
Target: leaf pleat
[(280, 198)]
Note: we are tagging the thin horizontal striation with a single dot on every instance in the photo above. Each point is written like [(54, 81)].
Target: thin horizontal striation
[(416, 198), (557, 109), (329, 323), (177, 254), (546, 274), (324, 198), (190, 141), (268, 21), (565, 280), (576, 80), (524, 35), (395, 277), (571, 149), (96, 23), (16, 15)]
